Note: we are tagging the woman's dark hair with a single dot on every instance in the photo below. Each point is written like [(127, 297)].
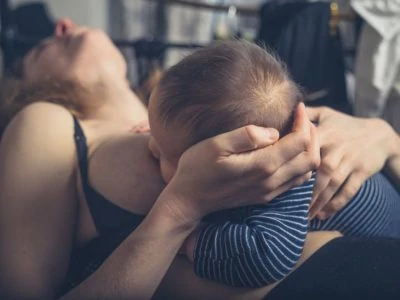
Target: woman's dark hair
[(16, 93)]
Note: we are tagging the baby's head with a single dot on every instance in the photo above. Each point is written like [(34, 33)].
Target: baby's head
[(217, 89)]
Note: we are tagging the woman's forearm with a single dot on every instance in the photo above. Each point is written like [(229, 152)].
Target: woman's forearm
[(136, 268)]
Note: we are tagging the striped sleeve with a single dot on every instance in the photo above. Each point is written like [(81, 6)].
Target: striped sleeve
[(369, 213), (260, 249)]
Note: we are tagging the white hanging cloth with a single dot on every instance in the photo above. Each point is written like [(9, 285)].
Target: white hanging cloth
[(378, 55)]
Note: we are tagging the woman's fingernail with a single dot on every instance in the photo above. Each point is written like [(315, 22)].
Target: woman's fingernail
[(270, 133)]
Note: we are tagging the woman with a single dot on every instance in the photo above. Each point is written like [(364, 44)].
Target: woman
[(50, 216)]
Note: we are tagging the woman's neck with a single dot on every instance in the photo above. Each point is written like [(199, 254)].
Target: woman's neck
[(118, 105)]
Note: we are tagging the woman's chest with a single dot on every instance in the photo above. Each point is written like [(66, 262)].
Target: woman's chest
[(122, 177)]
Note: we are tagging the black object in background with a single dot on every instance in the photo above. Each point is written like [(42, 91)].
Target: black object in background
[(21, 28), (346, 268), (299, 33)]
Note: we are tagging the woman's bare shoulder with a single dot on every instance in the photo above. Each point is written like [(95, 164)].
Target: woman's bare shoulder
[(47, 122), (40, 131), (40, 113)]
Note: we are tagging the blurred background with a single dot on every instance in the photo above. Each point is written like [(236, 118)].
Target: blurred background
[(346, 54)]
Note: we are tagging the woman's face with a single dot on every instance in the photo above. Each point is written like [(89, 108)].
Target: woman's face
[(75, 52)]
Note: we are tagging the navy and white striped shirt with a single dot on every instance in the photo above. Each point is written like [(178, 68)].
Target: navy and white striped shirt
[(258, 245)]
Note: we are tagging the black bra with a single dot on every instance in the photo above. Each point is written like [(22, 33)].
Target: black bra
[(106, 215)]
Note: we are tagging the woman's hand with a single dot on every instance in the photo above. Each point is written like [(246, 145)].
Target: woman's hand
[(352, 150), (243, 167)]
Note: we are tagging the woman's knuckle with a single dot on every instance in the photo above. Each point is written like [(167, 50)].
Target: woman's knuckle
[(348, 192), (269, 168), (339, 203), (336, 180), (315, 161), (322, 201), (269, 185), (212, 145), (363, 173), (328, 165), (352, 188), (341, 172), (306, 140)]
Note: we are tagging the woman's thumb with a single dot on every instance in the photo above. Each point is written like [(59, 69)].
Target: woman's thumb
[(249, 138)]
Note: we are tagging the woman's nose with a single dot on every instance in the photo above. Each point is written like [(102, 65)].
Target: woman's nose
[(63, 27)]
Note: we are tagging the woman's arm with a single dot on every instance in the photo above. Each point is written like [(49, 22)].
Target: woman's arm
[(137, 266), (352, 150), (38, 206)]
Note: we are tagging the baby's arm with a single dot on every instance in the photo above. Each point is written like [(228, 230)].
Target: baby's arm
[(261, 249)]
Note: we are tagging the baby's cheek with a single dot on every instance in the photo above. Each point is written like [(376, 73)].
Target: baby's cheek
[(167, 170)]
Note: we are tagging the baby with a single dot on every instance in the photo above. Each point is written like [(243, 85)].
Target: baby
[(223, 87)]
